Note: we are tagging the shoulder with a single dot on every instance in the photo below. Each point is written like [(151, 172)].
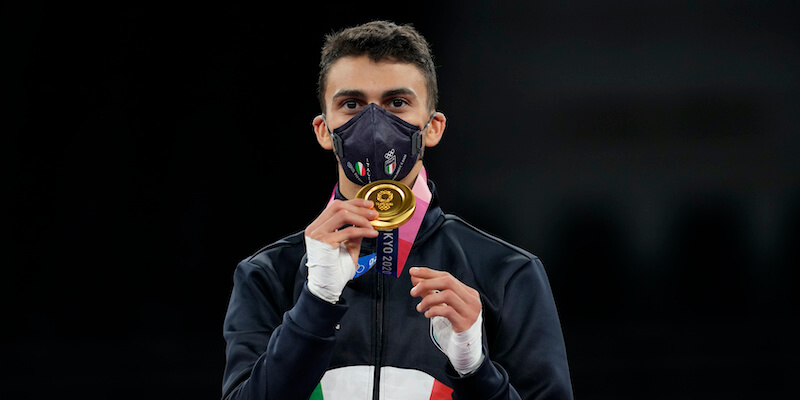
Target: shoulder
[(499, 270), (291, 246), (475, 240), (271, 272), (277, 262), (487, 261)]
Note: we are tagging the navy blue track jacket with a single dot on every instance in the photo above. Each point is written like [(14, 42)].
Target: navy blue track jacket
[(285, 343)]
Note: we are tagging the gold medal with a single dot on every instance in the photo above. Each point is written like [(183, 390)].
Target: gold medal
[(393, 200)]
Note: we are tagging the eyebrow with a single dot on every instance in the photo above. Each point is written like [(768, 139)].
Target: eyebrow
[(349, 93), (360, 94), (399, 91)]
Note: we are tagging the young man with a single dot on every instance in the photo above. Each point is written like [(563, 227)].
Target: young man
[(460, 314)]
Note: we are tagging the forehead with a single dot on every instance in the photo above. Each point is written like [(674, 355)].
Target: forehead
[(371, 77)]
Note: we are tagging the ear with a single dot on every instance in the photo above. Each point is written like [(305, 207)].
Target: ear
[(435, 130), (321, 131)]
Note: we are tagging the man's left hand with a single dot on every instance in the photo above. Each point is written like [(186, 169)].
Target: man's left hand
[(444, 295), (455, 313)]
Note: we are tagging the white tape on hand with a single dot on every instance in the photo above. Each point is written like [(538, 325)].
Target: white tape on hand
[(329, 269), (463, 349)]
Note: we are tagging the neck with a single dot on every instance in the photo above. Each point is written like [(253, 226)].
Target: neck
[(349, 189)]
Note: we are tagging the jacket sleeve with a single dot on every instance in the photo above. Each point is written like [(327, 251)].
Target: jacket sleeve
[(269, 357), (526, 356)]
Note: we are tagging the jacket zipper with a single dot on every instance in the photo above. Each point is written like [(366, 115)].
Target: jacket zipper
[(378, 335)]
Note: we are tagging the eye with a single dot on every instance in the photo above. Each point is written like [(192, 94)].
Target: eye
[(350, 104), (398, 102)]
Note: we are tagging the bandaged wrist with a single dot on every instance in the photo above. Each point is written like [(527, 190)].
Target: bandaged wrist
[(329, 269), (463, 349)]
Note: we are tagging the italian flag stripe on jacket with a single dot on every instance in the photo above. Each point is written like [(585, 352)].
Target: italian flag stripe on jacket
[(355, 383)]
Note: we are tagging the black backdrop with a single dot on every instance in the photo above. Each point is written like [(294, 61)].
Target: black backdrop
[(646, 152)]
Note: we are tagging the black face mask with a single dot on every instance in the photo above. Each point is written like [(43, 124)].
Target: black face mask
[(376, 145)]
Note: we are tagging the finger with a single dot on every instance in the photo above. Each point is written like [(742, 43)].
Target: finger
[(419, 274), (446, 311), (357, 206), (362, 207), (425, 272), (444, 297), (438, 280), (349, 233), (460, 319), (442, 310), (353, 205), (353, 247), (459, 322), (333, 216), (341, 218), (466, 303), (344, 217), (418, 292), (443, 282)]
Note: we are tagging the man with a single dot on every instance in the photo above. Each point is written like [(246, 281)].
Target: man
[(470, 317)]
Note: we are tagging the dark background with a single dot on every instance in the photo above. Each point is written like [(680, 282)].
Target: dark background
[(646, 152)]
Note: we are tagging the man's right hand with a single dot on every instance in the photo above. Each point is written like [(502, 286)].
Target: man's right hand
[(333, 252)]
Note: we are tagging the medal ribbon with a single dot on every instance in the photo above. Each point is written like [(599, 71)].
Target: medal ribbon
[(401, 238)]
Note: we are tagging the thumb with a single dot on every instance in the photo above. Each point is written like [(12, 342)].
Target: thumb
[(353, 247)]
